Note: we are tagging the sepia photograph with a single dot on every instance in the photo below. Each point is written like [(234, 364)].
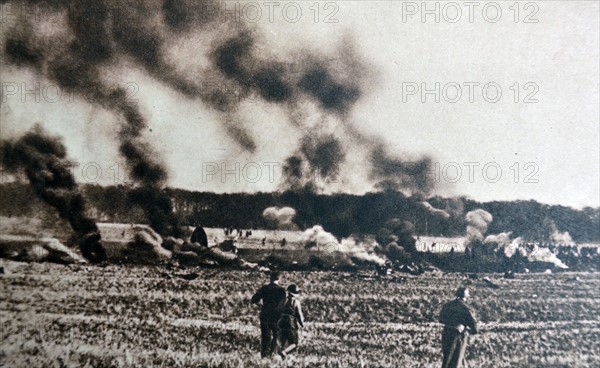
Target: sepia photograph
[(303, 183)]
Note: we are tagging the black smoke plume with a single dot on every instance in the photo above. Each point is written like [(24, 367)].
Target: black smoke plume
[(44, 160), (97, 35), (399, 232), (323, 153), (235, 58), (317, 161), (330, 94), (392, 173), (184, 15), (75, 63)]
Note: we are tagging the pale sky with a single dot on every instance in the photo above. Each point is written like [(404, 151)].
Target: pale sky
[(547, 150)]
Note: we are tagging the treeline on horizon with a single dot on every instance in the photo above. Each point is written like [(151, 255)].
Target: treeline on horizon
[(340, 214)]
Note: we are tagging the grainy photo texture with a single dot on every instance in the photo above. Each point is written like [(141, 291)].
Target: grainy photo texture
[(309, 183)]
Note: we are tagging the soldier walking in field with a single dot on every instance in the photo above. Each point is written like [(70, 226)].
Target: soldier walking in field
[(272, 296), (458, 322), (290, 321)]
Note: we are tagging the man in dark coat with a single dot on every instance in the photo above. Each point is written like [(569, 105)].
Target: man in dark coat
[(272, 296), (458, 322)]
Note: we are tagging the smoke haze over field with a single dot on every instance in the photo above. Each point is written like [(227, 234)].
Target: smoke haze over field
[(162, 87), (317, 238), (88, 39)]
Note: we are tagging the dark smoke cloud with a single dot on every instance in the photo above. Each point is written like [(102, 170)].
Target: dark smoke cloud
[(184, 15), (19, 52), (75, 66), (329, 93), (294, 177), (100, 34), (394, 173), (293, 167), (399, 232), (283, 82), (236, 59), (317, 160), (43, 158), (323, 153)]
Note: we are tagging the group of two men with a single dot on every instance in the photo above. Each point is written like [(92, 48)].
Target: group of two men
[(281, 316)]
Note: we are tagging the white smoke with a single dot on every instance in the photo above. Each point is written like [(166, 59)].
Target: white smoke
[(504, 242), (317, 236), (478, 221), (281, 218), (510, 247), (323, 240), (560, 238), (545, 255), (435, 211), (502, 239)]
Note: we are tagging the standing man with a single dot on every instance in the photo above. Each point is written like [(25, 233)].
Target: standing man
[(272, 296), (458, 322), (290, 321)]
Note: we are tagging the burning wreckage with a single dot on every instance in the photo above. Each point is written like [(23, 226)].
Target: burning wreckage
[(43, 160)]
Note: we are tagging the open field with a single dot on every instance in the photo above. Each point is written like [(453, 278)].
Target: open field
[(119, 316)]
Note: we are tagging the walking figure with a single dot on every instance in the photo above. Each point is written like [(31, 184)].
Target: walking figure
[(290, 321), (458, 323), (272, 296)]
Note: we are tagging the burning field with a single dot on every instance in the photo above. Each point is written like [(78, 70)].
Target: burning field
[(82, 48), (89, 50), (125, 274)]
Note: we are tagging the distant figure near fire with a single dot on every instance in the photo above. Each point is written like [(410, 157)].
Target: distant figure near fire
[(199, 236), (272, 296), (458, 322)]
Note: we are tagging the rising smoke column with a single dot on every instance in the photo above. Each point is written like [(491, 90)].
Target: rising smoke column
[(43, 158), (552, 235), (399, 232), (98, 34), (478, 221), (74, 63), (317, 160), (393, 173)]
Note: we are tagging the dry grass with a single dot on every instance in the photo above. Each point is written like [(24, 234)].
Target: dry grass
[(85, 316)]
